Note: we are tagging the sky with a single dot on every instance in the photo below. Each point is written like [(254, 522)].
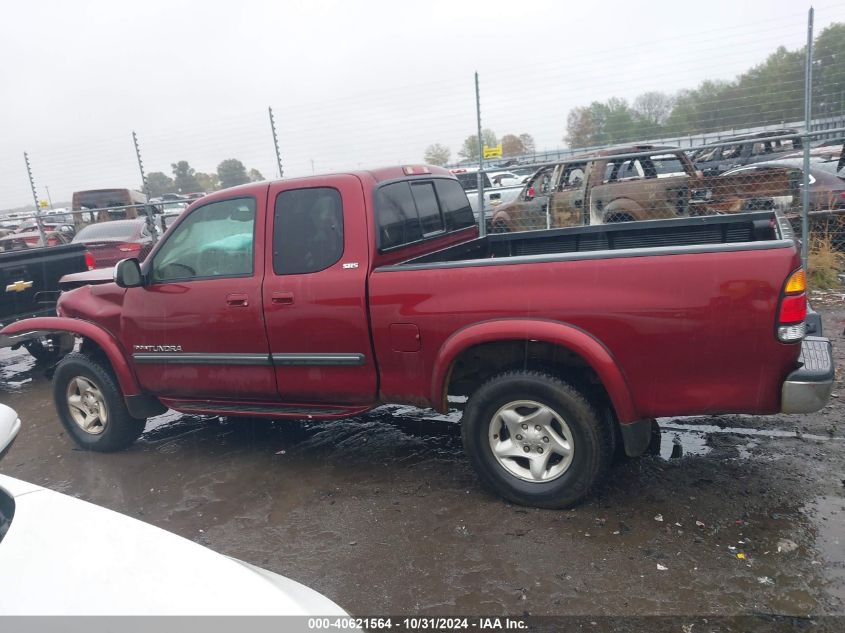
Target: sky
[(352, 84)]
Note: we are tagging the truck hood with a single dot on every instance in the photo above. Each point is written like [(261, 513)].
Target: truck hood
[(64, 556), (89, 277)]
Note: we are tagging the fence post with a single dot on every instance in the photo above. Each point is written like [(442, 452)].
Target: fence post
[(808, 107), (482, 221), (276, 143), (147, 207), (35, 198)]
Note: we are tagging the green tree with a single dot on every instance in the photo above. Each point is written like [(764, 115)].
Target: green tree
[(652, 110), (184, 177), (437, 154), (469, 149), (255, 175), (207, 182), (829, 71), (159, 183), (231, 173)]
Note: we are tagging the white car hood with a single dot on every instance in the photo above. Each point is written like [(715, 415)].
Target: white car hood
[(64, 556)]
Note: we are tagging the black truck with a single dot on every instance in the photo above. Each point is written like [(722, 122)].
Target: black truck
[(29, 286)]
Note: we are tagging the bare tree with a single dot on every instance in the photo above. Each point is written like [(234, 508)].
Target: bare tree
[(437, 154)]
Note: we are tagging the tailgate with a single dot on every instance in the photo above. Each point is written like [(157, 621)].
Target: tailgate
[(25, 274)]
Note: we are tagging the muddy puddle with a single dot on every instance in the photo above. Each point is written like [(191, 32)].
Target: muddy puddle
[(382, 513)]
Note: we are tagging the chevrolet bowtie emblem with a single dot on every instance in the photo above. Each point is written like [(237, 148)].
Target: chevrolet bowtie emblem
[(19, 286)]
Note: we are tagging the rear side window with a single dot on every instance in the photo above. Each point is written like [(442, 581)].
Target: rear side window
[(431, 221), (407, 211), (455, 205), (307, 230)]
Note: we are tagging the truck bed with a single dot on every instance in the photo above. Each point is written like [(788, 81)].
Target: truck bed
[(684, 235), (38, 270)]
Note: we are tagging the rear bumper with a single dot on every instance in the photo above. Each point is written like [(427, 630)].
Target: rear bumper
[(808, 388)]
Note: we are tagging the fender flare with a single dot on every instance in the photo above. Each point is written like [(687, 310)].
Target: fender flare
[(597, 356), (107, 342)]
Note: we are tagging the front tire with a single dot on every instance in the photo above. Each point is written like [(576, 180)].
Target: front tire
[(536, 440), (91, 407)]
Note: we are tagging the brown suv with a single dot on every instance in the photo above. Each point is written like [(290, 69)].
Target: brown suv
[(621, 184)]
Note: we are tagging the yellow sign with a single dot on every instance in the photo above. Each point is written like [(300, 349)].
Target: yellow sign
[(492, 152), (19, 286), (43, 204)]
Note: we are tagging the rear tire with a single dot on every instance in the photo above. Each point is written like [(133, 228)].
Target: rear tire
[(91, 406), (536, 440)]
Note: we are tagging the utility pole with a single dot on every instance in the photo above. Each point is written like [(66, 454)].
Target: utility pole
[(35, 199), (808, 110), (147, 207), (482, 221), (49, 199), (276, 143)]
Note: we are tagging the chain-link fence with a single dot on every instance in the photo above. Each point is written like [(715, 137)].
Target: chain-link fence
[(722, 147), (761, 171)]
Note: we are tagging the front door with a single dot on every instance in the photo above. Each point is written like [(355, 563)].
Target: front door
[(196, 329), (315, 293), (567, 204)]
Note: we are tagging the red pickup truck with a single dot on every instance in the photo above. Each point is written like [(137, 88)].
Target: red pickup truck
[(325, 296)]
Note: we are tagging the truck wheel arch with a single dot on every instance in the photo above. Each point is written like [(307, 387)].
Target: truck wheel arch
[(103, 339), (555, 333)]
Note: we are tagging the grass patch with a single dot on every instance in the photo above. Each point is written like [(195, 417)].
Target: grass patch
[(824, 263)]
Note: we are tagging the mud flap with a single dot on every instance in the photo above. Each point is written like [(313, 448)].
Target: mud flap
[(636, 436)]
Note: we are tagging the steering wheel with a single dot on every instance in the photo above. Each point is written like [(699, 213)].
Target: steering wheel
[(176, 265), (210, 261)]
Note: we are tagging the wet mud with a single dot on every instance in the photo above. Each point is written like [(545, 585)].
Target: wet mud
[(381, 512)]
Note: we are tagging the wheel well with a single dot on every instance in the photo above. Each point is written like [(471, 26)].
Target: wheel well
[(97, 353), (618, 216), (477, 364)]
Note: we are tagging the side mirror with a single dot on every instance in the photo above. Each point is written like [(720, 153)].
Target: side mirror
[(10, 424), (127, 273)]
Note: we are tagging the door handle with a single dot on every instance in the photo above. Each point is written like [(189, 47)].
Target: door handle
[(237, 300), (282, 298)]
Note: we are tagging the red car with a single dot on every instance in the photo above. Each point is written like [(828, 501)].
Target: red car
[(322, 297), (109, 242)]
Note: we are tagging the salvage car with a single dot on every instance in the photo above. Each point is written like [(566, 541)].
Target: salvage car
[(109, 242), (322, 297), (620, 184), (745, 149), (494, 194), (63, 556)]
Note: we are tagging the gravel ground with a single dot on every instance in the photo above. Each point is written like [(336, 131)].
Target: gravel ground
[(381, 512)]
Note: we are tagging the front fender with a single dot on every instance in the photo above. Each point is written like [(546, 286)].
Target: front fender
[(104, 339), (572, 338)]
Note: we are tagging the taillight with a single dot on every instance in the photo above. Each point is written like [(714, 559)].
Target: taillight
[(130, 247), (530, 192), (89, 260), (793, 308)]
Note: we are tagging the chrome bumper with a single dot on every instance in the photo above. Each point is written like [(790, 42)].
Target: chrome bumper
[(808, 388)]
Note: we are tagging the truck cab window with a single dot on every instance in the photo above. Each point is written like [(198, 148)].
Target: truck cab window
[(215, 240), (307, 230), (456, 208), (431, 220)]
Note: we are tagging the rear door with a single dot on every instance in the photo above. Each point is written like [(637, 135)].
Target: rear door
[(314, 294), (196, 330)]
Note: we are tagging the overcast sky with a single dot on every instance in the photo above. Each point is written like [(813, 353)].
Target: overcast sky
[(351, 83)]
